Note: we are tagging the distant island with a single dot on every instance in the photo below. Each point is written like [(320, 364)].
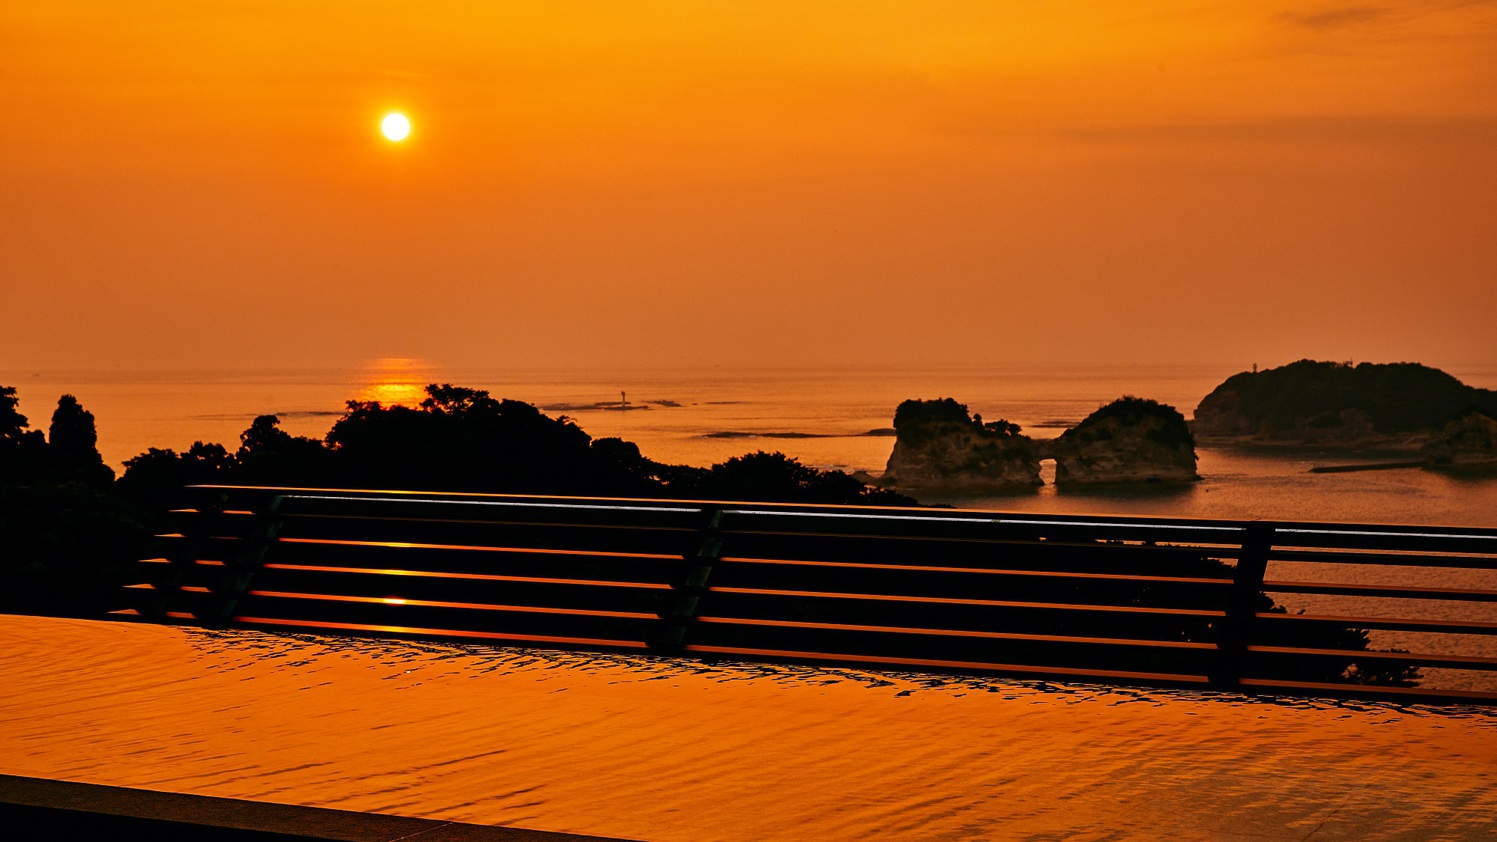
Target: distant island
[(1386, 406)]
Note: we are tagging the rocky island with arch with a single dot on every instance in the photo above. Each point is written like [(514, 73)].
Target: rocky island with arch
[(941, 448)]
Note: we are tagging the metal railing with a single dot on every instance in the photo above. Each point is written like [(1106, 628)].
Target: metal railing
[(1153, 601)]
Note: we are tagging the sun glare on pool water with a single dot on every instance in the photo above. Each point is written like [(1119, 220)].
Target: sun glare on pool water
[(395, 126)]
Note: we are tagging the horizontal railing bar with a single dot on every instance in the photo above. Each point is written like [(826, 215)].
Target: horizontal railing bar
[(1385, 591), (222, 541), (475, 577), (464, 606), (1470, 662), (1368, 531), (1414, 542), (1422, 560), (403, 545), (1210, 550), (981, 635), (508, 503), (984, 603), (1439, 626), (336, 517), (984, 571), (344, 518), (988, 520), (1073, 538), (457, 564)]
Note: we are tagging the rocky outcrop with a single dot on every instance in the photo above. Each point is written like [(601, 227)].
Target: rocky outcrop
[(939, 447), (1393, 405), (1127, 441), (1469, 441)]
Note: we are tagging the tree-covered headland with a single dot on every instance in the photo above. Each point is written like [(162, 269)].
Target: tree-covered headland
[(1313, 401)]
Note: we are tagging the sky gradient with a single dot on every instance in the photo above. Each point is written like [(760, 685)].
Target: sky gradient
[(776, 184)]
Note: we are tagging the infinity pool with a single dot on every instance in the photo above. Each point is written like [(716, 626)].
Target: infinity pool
[(664, 749)]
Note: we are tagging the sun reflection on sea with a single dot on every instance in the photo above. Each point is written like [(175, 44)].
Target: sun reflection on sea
[(395, 381)]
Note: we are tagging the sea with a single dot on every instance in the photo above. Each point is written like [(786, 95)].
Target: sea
[(828, 419), (666, 749)]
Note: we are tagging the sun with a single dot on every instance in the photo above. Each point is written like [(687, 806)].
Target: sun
[(395, 126)]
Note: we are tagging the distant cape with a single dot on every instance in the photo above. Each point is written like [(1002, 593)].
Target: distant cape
[(1391, 405)]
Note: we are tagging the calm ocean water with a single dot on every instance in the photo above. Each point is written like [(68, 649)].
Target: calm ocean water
[(704, 416)]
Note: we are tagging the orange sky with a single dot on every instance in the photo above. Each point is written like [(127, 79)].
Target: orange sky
[(655, 184)]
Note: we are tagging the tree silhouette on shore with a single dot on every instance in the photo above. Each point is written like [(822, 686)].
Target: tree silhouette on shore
[(69, 536), (462, 439)]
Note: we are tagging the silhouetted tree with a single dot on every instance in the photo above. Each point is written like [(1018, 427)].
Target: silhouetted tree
[(447, 399), (463, 440), (154, 480), (269, 455), (73, 444), (23, 453), (12, 423), (65, 537), (622, 471), (775, 477)]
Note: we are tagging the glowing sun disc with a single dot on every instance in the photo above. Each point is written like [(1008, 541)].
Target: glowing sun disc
[(395, 126)]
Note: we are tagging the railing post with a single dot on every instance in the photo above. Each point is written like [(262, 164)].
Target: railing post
[(681, 607), (241, 569), (183, 554), (1247, 589)]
